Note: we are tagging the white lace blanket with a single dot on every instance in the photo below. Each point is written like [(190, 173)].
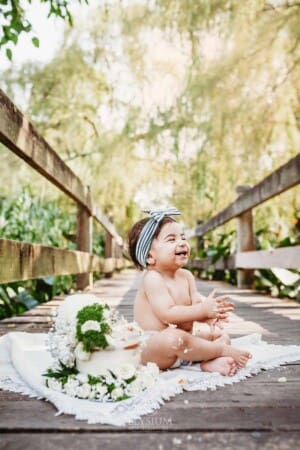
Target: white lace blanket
[(24, 358)]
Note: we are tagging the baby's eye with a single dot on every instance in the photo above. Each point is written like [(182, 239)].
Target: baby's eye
[(171, 240)]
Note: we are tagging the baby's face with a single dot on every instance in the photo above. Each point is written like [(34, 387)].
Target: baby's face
[(170, 248)]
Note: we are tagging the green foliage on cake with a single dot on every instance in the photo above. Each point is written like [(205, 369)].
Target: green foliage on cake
[(92, 327)]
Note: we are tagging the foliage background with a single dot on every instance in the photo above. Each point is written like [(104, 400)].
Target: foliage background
[(160, 102)]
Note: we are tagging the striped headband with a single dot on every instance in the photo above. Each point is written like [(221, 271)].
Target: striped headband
[(145, 238)]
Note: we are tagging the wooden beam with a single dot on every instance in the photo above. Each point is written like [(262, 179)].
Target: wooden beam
[(24, 261), (19, 135), (285, 257), (287, 176), (206, 263)]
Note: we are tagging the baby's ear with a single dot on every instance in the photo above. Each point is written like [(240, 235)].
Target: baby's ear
[(150, 260)]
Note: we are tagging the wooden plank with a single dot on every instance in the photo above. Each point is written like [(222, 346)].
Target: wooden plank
[(39, 416), (24, 261), (284, 257), (285, 177), (151, 441), (27, 319), (206, 263)]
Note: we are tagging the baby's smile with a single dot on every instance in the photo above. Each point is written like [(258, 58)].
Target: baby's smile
[(183, 252)]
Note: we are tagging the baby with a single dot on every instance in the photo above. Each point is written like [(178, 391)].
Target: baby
[(167, 303)]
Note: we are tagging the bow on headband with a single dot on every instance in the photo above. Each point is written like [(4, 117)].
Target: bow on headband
[(145, 238)]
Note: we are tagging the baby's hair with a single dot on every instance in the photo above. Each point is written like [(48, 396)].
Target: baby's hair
[(135, 231)]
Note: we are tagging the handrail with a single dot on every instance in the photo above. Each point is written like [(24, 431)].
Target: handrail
[(283, 257), (25, 261), (20, 136), (246, 259), (285, 177)]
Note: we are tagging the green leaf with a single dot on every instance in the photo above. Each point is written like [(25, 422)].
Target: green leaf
[(14, 38), (63, 372), (286, 242), (9, 53), (93, 380), (35, 42)]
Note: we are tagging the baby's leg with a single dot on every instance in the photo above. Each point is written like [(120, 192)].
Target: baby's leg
[(217, 335), (165, 347)]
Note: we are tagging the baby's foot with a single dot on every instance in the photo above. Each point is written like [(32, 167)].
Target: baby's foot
[(225, 365), (241, 357)]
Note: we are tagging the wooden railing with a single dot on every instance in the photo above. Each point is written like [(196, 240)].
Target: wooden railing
[(247, 258), (23, 261)]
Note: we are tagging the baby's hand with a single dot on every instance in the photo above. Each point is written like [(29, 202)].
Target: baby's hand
[(213, 323), (217, 308)]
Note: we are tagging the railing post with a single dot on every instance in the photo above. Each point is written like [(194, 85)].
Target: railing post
[(84, 240), (245, 241), (200, 239), (109, 252)]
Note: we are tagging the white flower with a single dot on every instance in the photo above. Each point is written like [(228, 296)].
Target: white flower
[(106, 314), (153, 369), (71, 386), (84, 390), (90, 325), (54, 384), (149, 375), (125, 371), (81, 354), (134, 388), (101, 389), (116, 393), (109, 379), (110, 340), (82, 378), (146, 379)]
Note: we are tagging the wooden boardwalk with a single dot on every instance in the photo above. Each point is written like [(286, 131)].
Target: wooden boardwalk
[(261, 412)]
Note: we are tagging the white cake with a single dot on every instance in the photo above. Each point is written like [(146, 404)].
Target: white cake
[(124, 340), (96, 355)]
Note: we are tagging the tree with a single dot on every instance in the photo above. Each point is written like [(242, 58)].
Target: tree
[(15, 22), (197, 97)]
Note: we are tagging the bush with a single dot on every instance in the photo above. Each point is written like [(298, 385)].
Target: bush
[(30, 219)]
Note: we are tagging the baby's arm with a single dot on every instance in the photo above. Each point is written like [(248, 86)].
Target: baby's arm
[(165, 308)]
